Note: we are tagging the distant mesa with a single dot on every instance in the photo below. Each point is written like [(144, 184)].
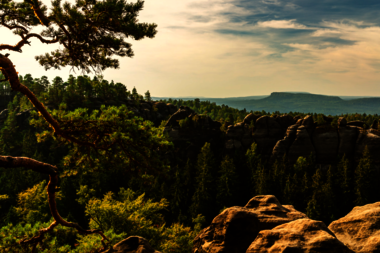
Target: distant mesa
[(304, 102)]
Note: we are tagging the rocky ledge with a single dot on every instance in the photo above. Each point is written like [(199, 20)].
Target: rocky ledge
[(264, 225)]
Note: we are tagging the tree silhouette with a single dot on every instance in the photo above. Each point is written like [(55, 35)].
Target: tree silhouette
[(90, 33)]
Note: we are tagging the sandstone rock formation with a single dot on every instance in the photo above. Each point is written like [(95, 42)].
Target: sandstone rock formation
[(302, 235), (267, 133), (133, 244), (360, 229), (302, 145), (325, 139), (236, 227)]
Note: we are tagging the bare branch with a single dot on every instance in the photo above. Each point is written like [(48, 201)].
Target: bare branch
[(24, 41)]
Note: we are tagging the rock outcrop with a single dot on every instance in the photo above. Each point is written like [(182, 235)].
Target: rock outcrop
[(133, 244), (360, 229), (303, 235), (236, 227)]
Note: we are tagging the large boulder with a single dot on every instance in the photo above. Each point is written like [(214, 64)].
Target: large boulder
[(360, 229), (303, 235), (326, 143), (133, 244), (236, 227)]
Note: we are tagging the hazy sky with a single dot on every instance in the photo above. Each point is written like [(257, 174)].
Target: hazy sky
[(228, 48)]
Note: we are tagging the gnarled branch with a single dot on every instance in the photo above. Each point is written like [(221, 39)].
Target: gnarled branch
[(12, 162), (24, 41)]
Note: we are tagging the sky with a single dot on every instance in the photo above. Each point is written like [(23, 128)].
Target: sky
[(232, 48)]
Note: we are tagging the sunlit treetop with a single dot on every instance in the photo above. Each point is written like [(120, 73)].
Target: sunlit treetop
[(89, 31)]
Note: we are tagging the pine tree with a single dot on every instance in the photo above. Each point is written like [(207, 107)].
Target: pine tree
[(345, 182), (227, 183), (314, 209), (204, 196), (365, 174), (147, 96), (253, 159)]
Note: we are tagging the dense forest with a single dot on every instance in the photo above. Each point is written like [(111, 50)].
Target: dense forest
[(149, 191)]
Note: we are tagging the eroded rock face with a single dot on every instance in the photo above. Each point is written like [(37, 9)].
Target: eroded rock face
[(326, 143), (267, 133), (302, 235), (133, 244), (347, 140), (302, 145), (360, 229), (236, 227)]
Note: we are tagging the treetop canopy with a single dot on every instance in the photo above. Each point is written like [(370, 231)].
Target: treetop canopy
[(90, 31)]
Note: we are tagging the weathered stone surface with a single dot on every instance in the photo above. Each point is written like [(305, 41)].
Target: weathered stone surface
[(285, 121), (347, 140), (236, 227), (308, 121), (281, 148), (133, 244), (303, 235), (291, 132), (296, 118), (326, 143), (235, 131), (267, 133), (302, 145), (360, 229), (251, 117), (372, 141)]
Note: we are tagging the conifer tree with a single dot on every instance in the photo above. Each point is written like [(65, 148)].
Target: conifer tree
[(227, 183), (253, 159), (89, 33), (147, 96), (204, 196), (345, 182), (314, 209), (365, 174)]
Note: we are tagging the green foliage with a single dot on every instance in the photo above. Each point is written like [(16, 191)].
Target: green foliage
[(61, 239), (128, 214), (204, 190), (227, 182), (33, 205), (365, 174)]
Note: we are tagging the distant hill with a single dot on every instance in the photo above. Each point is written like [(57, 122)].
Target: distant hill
[(301, 102)]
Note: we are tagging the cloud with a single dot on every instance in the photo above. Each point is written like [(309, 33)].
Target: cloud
[(281, 24), (226, 48)]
